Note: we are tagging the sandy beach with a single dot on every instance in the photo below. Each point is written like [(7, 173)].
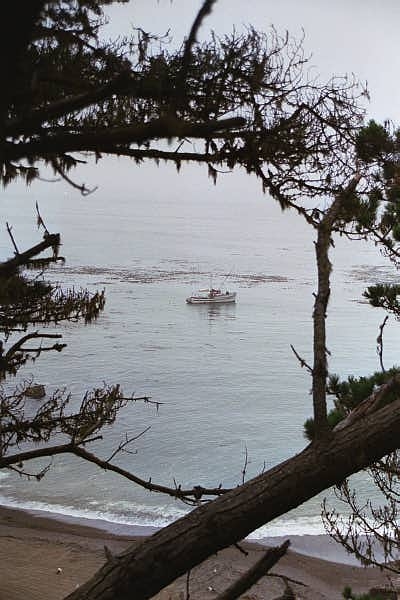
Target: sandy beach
[(44, 558)]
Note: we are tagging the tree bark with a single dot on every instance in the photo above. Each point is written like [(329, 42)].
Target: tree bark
[(320, 366), (141, 571), (324, 267)]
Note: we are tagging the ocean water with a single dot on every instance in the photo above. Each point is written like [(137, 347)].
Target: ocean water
[(227, 379)]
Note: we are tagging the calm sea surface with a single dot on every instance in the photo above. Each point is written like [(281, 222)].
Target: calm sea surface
[(226, 375)]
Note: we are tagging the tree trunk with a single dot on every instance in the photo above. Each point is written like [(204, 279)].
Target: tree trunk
[(141, 571), (320, 367)]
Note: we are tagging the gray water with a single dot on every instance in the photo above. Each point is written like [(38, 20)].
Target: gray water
[(226, 375)]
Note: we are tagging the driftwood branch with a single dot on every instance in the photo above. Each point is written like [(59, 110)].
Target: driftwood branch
[(255, 573)]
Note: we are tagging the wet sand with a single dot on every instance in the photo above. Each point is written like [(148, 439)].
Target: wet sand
[(44, 558)]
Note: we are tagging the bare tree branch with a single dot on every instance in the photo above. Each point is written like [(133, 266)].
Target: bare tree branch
[(11, 266), (9, 229), (379, 342), (189, 495), (205, 10), (301, 360)]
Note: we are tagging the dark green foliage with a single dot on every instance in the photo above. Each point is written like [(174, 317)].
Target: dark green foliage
[(373, 142), (15, 289), (25, 302), (349, 595), (384, 296), (379, 146), (98, 408), (349, 393), (367, 209), (334, 416)]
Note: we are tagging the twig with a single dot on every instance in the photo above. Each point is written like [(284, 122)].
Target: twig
[(295, 581), (379, 342), (127, 441), (40, 221), (85, 191), (205, 10), (245, 465), (301, 360), (38, 476), (9, 228)]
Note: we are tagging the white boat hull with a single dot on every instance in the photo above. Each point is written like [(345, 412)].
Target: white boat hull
[(215, 299)]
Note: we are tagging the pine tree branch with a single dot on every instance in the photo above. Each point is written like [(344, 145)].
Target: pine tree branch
[(10, 267), (165, 127)]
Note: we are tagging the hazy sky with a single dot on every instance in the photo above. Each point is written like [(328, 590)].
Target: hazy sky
[(343, 36)]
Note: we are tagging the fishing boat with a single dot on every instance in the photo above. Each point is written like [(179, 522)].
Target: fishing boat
[(211, 296)]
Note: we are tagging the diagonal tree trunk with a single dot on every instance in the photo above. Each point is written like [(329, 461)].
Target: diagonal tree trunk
[(141, 571)]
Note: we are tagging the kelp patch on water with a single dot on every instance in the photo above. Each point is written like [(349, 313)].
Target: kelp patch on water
[(156, 275), (371, 275)]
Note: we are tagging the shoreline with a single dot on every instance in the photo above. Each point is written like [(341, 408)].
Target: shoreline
[(313, 545), (45, 557)]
